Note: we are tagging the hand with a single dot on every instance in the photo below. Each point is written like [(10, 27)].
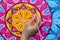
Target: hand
[(30, 30)]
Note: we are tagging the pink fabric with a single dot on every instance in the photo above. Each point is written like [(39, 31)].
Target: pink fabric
[(46, 18)]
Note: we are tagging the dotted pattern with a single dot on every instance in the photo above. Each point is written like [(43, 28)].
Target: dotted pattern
[(54, 33), (41, 5)]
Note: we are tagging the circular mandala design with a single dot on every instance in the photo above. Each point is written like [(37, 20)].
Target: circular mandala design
[(18, 16)]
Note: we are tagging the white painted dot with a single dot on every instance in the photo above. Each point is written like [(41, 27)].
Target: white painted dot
[(23, 20)]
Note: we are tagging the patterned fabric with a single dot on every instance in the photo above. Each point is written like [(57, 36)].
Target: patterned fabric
[(54, 33), (46, 16)]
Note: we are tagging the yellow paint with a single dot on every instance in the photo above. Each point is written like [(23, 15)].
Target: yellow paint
[(21, 17), (9, 14)]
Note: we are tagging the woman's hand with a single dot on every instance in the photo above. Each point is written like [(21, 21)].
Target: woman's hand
[(30, 30)]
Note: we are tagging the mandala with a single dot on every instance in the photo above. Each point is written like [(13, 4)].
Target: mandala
[(18, 16), (54, 33), (15, 14)]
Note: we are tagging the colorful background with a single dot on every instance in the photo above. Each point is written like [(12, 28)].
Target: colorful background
[(50, 12)]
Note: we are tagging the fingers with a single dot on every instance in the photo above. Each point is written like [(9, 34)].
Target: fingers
[(33, 18), (38, 23)]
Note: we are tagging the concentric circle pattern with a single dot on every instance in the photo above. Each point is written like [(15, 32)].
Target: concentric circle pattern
[(15, 14), (19, 15)]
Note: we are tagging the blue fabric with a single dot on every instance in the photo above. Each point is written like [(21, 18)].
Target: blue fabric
[(1, 37), (51, 37), (55, 27), (0, 0)]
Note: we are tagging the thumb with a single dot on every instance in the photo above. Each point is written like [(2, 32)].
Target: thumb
[(33, 18), (38, 23)]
